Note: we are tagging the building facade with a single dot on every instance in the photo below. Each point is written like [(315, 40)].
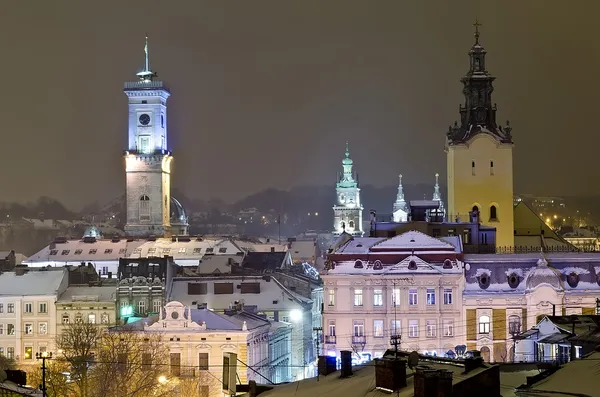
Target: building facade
[(28, 313), (408, 285), (90, 304), (347, 211), (479, 154), (507, 294)]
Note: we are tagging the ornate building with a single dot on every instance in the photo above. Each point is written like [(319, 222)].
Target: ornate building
[(347, 212), (479, 154), (148, 159)]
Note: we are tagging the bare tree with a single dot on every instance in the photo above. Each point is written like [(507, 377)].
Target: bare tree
[(76, 345), (130, 364), (206, 384), (56, 380)]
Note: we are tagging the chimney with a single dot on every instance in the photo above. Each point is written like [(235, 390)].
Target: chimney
[(390, 374), (346, 358), (472, 363), (327, 365), (432, 382), (21, 270)]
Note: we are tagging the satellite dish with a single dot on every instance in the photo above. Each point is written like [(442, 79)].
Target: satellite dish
[(413, 360)]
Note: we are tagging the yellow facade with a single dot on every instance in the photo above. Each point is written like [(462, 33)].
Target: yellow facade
[(480, 173)]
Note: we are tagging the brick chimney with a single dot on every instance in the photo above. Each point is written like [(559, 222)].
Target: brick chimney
[(346, 367), (390, 374), (21, 270), (429, 382)]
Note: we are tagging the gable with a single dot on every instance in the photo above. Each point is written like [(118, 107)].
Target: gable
[(528, 223), (413, 240)]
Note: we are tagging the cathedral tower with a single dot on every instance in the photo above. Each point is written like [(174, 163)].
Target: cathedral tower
[(400, 209), (147, 159), (479, 154), (347, 212)]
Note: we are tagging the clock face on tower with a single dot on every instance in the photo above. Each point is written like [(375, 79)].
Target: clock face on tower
[(144, 119)]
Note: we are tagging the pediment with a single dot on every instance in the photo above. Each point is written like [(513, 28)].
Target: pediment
[(413, 240)]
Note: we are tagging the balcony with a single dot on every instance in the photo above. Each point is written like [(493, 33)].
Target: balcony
[(359, 340), (330, 339)]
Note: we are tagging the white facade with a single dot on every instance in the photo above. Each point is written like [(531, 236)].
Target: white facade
[(347, 212), (28, 313), (408, 285), (94, 305)]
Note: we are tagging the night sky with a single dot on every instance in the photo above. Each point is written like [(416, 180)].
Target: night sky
[(265, 94)]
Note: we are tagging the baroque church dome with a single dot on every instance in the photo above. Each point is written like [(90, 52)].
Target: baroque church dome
[(543, 274)]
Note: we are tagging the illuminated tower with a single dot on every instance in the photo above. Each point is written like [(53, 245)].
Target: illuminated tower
[(479, 154), (147, 159), (347, 211), (437, 196), (400, 209)]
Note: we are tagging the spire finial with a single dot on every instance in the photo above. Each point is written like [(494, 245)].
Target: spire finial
[(347, 150), (400, 179), (476, 25), (437, 178), (146, 74)]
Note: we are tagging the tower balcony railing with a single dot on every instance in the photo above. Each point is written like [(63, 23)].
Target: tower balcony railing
[(144, 84), (155, 152)]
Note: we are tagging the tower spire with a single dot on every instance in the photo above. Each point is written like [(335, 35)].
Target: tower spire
[(437, 196), (476, 34), (146, 74), (347, 150), (400, 203)]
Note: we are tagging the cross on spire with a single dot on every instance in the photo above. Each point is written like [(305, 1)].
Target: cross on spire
[(476, 25)]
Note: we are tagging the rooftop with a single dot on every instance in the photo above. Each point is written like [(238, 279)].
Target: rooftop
[(77, 293), (32, 283)]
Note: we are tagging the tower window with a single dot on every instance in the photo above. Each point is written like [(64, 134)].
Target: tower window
[(162, 121), (144, 101), (491, 167), (493, 213), (473, 167), (144, 208), (351, 224)]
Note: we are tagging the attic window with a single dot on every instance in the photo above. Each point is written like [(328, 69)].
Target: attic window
[(447, 264), (108, 251), (359, 245), (222, 250), (93, 251), (78, 252), (197, 250), (250, 288), (182, 250), (166, 251), (151, 251), (377, 265), (573, 279), (412, 265), (412, 240), (210, 250), (358, 264), (484, 281), (137, 251), (53, 252), (122, 251), (513, 280), (65, 252)]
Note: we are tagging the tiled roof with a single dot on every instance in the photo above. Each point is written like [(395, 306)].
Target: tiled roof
[(31, 283), (413, 240), (85, 293)]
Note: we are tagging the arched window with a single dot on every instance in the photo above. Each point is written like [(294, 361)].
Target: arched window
[(514, 325), (144, 208), (485, 354), (484, 325), (493, 213), (351, 224), (475, 208)]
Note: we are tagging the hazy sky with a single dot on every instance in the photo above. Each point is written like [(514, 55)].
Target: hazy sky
[(264, 94)]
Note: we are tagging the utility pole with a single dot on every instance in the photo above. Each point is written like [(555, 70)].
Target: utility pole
[(43, 356), (319, 330)]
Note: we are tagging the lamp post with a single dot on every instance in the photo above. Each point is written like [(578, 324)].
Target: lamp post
[(43, 356)]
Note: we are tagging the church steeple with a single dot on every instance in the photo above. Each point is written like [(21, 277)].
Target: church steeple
[(478, 115), (437, 196), (347, 211), (348, 178), (146, 75), (400, 203)]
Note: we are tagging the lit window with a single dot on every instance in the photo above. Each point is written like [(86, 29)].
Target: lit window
[(447, 296), (484, 325), (166, 251), (396, 297), (430, 296), (413, 328), (28, 329), (10, 353), (412, 297), (378, 297), (378, 328), (181, 250), (151, 251), (358, 297), (359, 327), (331, 328), (43, 328), (137, 251), (396, 327), (431, 328), (104, 319), (331, 297), (28, 353), (448, 328), (92, 318)]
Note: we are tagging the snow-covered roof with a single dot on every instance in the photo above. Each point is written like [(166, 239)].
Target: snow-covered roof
[(413, 240), (359, 245), (77, 293), (272, 296), (303, 250), (32, 283)]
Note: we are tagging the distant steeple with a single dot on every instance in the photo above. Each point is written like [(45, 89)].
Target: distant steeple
[(146, 74), (348, 178), (400, 203), (437, 196)]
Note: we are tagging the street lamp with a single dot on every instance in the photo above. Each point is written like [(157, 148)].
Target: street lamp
[(43, 356)]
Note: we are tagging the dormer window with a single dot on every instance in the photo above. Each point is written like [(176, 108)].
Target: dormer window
[(447, 264), (377, 265), (358, 264), (412, 265)]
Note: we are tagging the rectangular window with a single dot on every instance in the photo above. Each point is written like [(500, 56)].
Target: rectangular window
[(156, 306), (396, 297), (358, 297), (108, 251), (181, 250), (10, 308), (43, 308), (473, 167), (431, 328), (65, 319), (1, 329), (1, 307), (92, 318), (104, 319), (484, 325), (331, 297), (467, 236), (78, 251), (151, 251), (204, 391), (146, 361), (1, 352), (29, 308), (203, 361), (223, 288), (378, 328), (210, 250), (28, 329), (413, 328), (396, 327), (250, 288), (331, 328), (448, 328), (359, 327), (65, 252), (166, 251), (197, 250), (412, 297), (430, 296), (377, 297), (222, 250), (142, 307), (122, 251), (53, 252), (28, 353), (197, 289), (447, 296), (491, 167), (43, 328), (10, 353), (175, 364), (10, 329), (93, 251)]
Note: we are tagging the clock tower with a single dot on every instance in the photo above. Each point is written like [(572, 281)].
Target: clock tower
[(347, 211), (479, 154), (147, 159)]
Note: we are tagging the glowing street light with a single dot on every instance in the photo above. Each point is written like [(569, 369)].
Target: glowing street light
[(162, 379)]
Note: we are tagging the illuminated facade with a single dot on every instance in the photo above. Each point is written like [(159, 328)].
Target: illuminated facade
[(347, 212), (147, 159), (479, 155)]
